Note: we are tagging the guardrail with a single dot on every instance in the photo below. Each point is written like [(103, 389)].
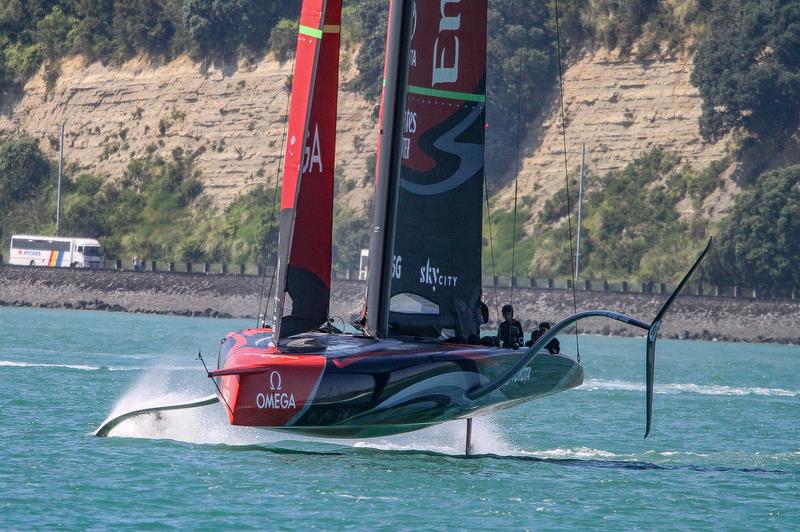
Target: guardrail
[(585, 285)]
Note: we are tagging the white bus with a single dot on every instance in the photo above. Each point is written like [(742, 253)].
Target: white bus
[(54, 251)]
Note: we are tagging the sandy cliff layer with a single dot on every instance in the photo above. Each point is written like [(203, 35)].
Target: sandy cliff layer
[(619, 108), (236, 113)]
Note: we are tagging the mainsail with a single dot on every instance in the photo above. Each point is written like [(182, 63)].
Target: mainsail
[(429, 233), (304, 247)]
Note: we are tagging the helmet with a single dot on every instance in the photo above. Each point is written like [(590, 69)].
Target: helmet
[(508, 308)]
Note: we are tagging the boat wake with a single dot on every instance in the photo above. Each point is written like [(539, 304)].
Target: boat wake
[(676, 388), (447, 438), (88, 367), (13, 364), (209, 425)]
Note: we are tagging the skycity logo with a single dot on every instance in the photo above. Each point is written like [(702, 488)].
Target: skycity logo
[(434, 277)]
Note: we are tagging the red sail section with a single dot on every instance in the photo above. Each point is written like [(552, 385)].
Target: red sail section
[(307, 195)]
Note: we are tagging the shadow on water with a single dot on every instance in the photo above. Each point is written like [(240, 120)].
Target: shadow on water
[(564, 462), (628, 464), (276, 450)]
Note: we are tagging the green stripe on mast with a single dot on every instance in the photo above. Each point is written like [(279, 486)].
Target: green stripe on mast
[(311, 32)]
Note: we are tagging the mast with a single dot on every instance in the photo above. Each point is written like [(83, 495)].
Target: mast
[(580, 205), (60, 176), (380, 245), (304, 241)]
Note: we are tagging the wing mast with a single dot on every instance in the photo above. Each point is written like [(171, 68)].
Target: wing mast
[(380, 245)]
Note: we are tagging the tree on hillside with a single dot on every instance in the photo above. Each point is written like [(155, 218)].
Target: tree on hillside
[(758, 245), (23, 169), (374, 14), (748, 69), (218, 27)]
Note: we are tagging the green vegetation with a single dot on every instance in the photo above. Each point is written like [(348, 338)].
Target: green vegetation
[(748, 69), (157, 210), (27, 182), (350, 235), (631, 228), (33, 32), (758, 244)]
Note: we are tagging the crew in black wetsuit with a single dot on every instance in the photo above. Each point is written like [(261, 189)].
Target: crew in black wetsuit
[(509, 333), (553, 346)]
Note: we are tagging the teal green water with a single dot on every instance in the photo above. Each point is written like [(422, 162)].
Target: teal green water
[(724, 452)]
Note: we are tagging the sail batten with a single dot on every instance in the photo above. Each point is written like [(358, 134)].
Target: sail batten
[(304, 248)]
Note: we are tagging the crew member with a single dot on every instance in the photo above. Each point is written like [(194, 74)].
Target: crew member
[(509, 333), (553, 346)]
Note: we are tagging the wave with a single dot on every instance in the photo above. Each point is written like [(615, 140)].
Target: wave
[(675, 388), (87, 367), (582, 453), (12, 364)]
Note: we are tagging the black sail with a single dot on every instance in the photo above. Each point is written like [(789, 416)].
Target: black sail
[(434, 183)]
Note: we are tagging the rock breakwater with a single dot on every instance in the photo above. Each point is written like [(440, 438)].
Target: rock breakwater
[(239, 296)]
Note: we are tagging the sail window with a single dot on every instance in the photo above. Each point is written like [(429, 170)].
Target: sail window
[(407, 303)]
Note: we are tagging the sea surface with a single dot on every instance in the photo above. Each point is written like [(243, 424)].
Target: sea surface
[(724, 452)]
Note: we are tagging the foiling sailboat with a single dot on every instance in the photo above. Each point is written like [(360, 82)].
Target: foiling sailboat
[(396, 374)]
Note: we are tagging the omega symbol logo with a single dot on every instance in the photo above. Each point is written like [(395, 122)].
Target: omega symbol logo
[(275, 381)]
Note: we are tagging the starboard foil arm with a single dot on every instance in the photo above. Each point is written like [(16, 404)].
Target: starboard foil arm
[(543, 340), (650, 353), (112, 422), (652, 335)]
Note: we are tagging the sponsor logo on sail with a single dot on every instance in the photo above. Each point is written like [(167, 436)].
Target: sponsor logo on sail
[(312, 154), (397, 266), (410, 127), (522, 376), (412, 53), (433, 276), (275, 398), (445, 61)]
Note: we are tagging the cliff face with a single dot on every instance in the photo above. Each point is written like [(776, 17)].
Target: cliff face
[(236, 114), (619, 108)]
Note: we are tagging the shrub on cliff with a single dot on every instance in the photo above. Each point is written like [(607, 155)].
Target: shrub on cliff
[(758, 244), (23, 168), (283, 39)]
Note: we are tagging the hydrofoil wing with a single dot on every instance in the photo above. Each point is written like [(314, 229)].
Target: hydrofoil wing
[(109, 424)]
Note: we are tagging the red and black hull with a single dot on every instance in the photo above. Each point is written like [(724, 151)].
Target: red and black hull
[(353, 386)]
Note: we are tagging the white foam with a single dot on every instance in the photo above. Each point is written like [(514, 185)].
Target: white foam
[(675, 388), (87, 367), (203, 425), (583, 453), (447, 438), (12, 364)]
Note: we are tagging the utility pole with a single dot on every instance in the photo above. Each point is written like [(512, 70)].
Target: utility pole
[(60, 175), (580, 205)]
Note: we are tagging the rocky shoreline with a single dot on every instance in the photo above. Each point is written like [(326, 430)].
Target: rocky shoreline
[(239, 296)]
